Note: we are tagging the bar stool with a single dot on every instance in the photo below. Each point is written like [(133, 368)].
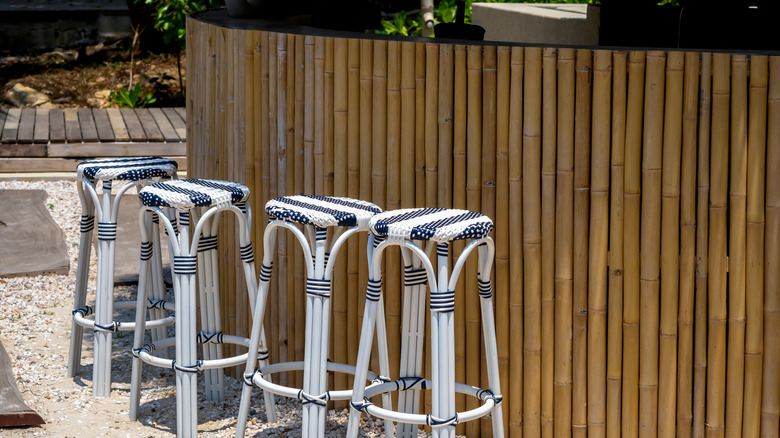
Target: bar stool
[(195, 252), (135, 172), (316, 214), (410, 229)]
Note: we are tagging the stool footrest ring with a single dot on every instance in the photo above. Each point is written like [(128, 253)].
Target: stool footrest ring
[(257, 379), (145, 354), (406, 383), (80, 317)]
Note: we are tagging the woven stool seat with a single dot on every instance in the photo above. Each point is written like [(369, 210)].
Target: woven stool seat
[(127, 169), (186, 194), (440, 225), (322, 211)]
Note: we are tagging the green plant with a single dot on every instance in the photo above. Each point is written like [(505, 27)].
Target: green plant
[(171, 20), (134, 98), (400, 25)]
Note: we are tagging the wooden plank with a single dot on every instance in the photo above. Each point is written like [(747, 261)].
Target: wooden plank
[(182, 113), (26, 126), (72, 127), (134, 129), (166, 128), (56, 125), (11, 125), (117, 124), (116, 149), (104, 131), (177, 121), (23, 150), (88, 128), (31, 242), (149, 125), (41, 133), (40, 165), (13, 412)]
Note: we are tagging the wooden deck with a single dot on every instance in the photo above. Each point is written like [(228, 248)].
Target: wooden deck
[(56, 140)]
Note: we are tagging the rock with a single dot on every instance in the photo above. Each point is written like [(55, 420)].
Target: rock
[(25, 97)]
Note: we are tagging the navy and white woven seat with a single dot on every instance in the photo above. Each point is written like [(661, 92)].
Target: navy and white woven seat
[(322, 211), (186, 194), (127, 169), (440, 225)]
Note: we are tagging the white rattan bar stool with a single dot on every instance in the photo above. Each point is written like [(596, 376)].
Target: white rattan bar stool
[(409, 229), (195, 253), (134, 172), (315, 214)]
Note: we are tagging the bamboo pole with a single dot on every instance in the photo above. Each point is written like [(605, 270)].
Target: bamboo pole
[(754, 275), (340, 184), (408, 123), (615, 291), (419, 132), (564, 237), (366, 60), (736, 248), (582, 108), (379, 125), (514, 408), (392, 259), (670, 244), (296, 311), (598, 245), (445, 125), (716, 339), (631, 198), (318, 119), (687, 245), (460, 101), (278, 300), (549, 127), (309, 168), (328, 155), (473, 202), (770, 403), (501, 219), (650, 243), (431, 128), (702, 249), (532, 131), (488, 192), (354, 248)]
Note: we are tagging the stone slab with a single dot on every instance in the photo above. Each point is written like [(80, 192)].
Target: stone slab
[(31, 243), (13, 410)]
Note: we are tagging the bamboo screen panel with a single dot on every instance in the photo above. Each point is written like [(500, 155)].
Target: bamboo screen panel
[(637, 270)]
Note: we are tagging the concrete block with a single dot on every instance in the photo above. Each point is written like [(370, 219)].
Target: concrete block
[(558, 24)]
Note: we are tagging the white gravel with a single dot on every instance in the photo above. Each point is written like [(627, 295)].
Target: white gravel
[(35, 321)]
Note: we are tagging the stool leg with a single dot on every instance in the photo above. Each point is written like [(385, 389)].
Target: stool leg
[(157, 280), (208, 276), (257, 337), (443, 351), (186, 331), (489, 333), (140, 321), (412, 342), (317, 336), (364, 353), (82, 277), (104, 298), (381, 336)]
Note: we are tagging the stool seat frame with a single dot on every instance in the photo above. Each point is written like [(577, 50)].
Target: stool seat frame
[(107, 210), (319, 258), (190, 250), (418, 268)]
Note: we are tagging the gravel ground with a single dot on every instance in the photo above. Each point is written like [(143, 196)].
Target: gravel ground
[(35, 322)]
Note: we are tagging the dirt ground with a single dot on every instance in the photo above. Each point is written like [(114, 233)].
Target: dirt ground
[(82, 78)]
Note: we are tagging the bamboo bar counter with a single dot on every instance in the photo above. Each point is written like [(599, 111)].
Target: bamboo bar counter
[(636, 196)]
